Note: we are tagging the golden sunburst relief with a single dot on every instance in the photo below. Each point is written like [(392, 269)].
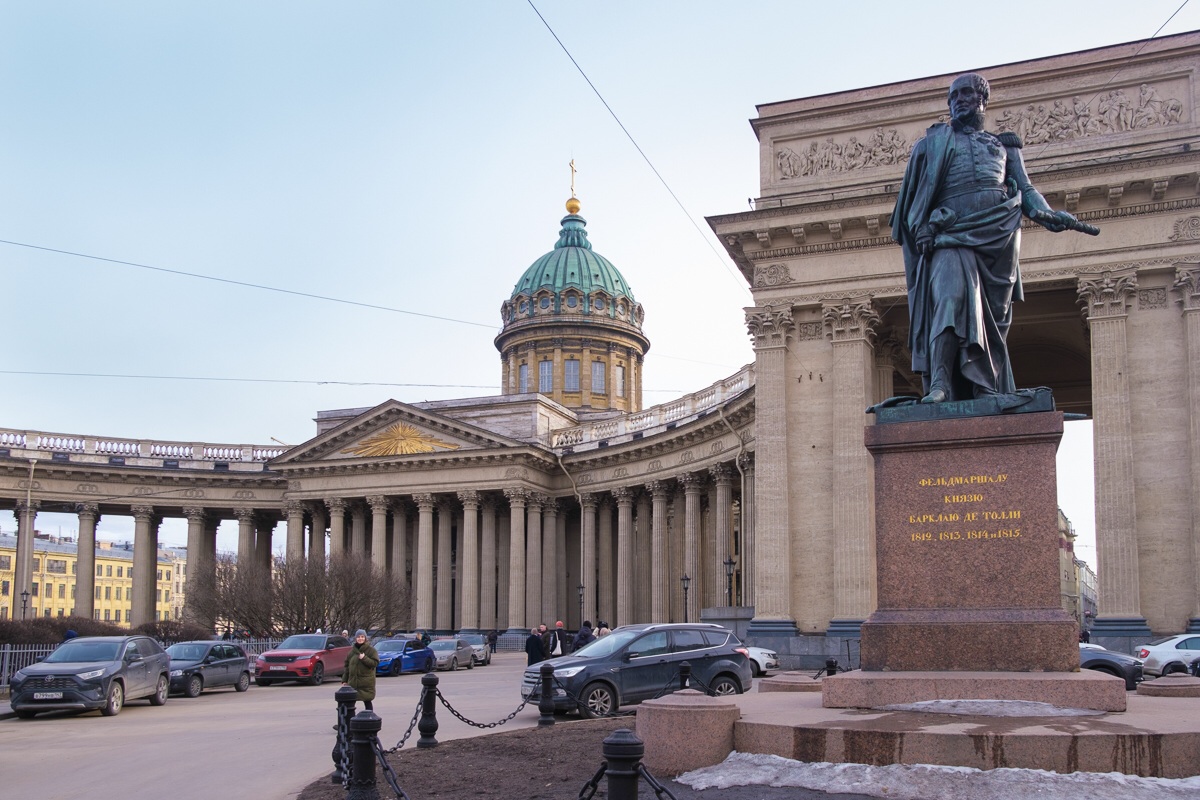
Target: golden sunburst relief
[(400, 439)]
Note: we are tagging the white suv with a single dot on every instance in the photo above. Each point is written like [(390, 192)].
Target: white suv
[(1169, 654)]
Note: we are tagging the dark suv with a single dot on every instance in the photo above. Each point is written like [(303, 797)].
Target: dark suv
[(641, 662)]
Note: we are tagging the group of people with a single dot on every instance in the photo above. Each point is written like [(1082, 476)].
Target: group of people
[(544, 643)]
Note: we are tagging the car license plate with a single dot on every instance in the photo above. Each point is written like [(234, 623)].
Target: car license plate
[(279, 668), (47, 695)]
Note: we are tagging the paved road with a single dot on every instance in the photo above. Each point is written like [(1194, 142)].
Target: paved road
[(268, 742)]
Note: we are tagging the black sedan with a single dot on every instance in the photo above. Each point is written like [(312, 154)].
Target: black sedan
[(93, 672), (1092, 656), (196, 666)]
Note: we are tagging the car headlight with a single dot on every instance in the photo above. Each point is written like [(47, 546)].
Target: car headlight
[(91, 674), (18, 676), (176, 673), (569, 672)]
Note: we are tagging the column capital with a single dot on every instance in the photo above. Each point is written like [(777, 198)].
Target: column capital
[(336, 505), (588, 502), (424, 501), (692, 482), (549, 505), (746, 461), (195, 513), (469, 498), (624, 496), (658, 488), (770, 326), (850, 319), (722, 474), (293, 508), (378, 503), (87, 509), (142, 512), (30, 505), (1187, 283), (537, 501), (1107, 293), (487, 502), (245, 515), (316, 507), (516, 497), (400, 506)]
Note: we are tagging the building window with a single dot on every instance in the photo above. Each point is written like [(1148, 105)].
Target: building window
[(73, 569), (598, 377), (60, 612), (620, 387), (97, 592), (6, 563), (4, 588), (127, 613), (108, 571), (545, 377), (524, 379), (46, 613), (571, 375), (96, 614), (37, 565), (57, 566), (99, 570), (128, 594), (108, 593), (107, 614), (159, 575), (72, 591), (119, 569), (62, 590), (168, 574), (35, 589)]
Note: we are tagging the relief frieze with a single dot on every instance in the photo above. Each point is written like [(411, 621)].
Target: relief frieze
[(1186, 230), (1111, 112), (772, 275), (882, 148)]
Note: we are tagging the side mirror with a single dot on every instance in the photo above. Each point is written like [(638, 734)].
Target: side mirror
[(133, 658), (627, 655)]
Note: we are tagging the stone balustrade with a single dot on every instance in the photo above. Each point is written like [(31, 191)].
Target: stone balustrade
[(84, 449)]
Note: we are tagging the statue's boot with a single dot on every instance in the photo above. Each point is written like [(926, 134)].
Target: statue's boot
[(943, 351)]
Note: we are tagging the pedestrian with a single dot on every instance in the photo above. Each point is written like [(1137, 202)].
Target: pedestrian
[(560, 642), (533, 648), (359, 673), (69, 635), (602, 630), (585, 635), (547, 640), (423, 637), (491, 640)]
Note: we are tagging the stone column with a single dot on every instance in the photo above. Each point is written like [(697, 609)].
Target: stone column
[(533, 560), (660, 580), (23, 569), (551, 604), (337, 526), (746, 560), (722, 476), (1187, 284), (399, 562), (379, 523), (85, 560), (604, 560), (358, 529), (317, 533), (443, 616), (468, 560), (422, 577), (566, 597), (1107, 296), (487, 564), (145, 564), (245, 518), (587, 555), (644, 559), (585, 373), (503, 568), (770, 327), (625, 562), (516, 560), (264, 529), (295, 531), (196, 568), (693, 484), (851, 326)]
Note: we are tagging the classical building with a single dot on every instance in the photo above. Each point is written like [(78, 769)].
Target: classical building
[(562, 498)]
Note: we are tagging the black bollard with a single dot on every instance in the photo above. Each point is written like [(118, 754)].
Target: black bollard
[(831, 666), (685, 675), (364, 732), (428, 725), (623, 751), (345, 697), (546, 703)]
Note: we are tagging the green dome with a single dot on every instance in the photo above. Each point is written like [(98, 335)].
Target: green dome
[(573, 263)]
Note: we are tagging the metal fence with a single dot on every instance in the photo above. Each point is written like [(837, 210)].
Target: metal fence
[(15, 656)]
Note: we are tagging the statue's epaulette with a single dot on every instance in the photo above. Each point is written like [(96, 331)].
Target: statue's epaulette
[(1010, 139)]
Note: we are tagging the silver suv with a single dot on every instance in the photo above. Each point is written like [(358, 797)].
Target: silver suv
[(641, 662)]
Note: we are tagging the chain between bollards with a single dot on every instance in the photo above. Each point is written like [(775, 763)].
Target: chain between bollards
[(428, 726)]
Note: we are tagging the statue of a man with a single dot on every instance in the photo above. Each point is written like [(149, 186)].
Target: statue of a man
[(958, 220)]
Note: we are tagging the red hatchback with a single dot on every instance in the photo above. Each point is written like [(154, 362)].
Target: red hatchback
[(303, 657)]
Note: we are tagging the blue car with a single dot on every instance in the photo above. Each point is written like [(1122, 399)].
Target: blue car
[(403, 655)]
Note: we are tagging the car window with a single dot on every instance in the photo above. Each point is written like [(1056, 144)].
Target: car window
[(684, 640), (186, 652), (1189, 644), (652, 644), (303, 642), (338, 641), (84, 651), (131, 649), (716, 638)]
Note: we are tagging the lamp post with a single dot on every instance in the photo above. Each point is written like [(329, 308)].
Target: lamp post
[(729, 565), (581, 590), (24, 602), (686, 581)]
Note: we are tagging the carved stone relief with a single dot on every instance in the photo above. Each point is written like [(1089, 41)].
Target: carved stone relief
[(772, 275), (1186, 230), (882, 148), (1152, 298), (1112, 112)]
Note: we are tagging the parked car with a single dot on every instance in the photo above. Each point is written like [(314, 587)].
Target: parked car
[(196, 666), (641, 662), (1120, 665), (1168, 654), (481, 653), (93, 672), (450, 653), (762, 659), (403, 655), (303, 657)]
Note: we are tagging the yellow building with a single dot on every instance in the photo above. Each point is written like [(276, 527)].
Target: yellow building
[(52, 593)]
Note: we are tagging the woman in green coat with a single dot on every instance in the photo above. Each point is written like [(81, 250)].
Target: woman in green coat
[(359, 673)]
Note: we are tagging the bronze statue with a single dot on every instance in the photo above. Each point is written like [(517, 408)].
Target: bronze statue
[(958, 220)]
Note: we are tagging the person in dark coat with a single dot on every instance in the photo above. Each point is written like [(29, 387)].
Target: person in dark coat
[(359, 673), (585, 635), (491, 640), (533, 648)]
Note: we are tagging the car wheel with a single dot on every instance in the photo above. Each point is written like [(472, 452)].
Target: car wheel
[(260, 681), (597, 700), (243, 682), (395, 670), (725, 685), (114, 700), (454, 664), (318, 676), (471, 663), (1171, 669), (25, 713), (755, 669), (194, 686), (160, 691)]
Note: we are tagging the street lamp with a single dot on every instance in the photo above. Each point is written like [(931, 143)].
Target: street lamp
[(729, 565), (581, 590), (24, 601), (686, 581)]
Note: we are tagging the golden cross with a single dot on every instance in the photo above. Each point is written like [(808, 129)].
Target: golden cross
[(572, 165)]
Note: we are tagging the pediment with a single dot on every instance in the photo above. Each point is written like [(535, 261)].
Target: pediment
[(393, 430)]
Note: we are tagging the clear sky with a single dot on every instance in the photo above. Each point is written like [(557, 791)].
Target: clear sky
[(413, 156)]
